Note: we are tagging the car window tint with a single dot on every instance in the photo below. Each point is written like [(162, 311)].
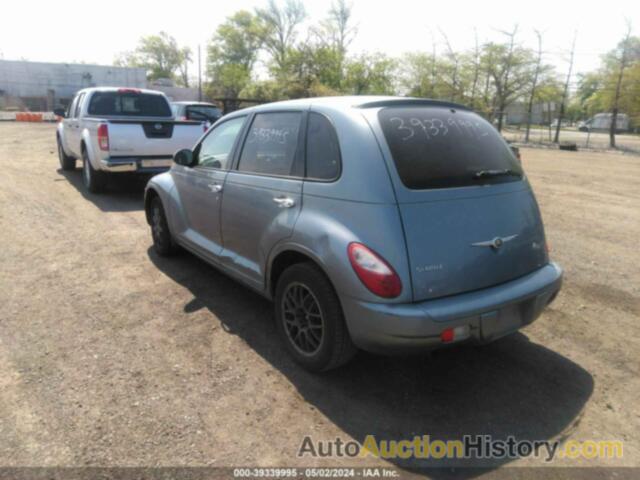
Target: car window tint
[(270, 147), (215, 148), (323, 150), (436, 147)]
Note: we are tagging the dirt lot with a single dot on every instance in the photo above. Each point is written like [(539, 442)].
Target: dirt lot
[(110, 355)]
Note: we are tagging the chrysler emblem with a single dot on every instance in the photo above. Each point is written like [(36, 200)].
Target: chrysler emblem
[(495, 243)]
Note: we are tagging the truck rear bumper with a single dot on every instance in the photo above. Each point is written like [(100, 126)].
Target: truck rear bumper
[(481, 316), (155, 164)]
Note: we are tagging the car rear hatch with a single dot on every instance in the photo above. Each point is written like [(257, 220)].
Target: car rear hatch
[(470, 218)]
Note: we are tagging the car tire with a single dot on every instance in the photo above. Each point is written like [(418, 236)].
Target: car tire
[(163, 242), (94, 180), (66, 162), (309, 319)]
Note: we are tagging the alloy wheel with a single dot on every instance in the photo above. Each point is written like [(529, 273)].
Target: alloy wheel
[(302, 318)]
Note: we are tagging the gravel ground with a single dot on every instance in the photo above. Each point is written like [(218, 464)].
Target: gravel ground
[(112, 356)]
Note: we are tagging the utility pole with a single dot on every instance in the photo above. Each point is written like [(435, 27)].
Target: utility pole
[(199, 76), (566, 89)]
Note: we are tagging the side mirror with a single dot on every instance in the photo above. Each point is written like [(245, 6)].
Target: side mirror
[(184, 157), (60, 112)]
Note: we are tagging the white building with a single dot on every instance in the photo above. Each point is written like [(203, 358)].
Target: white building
[(41, 86)]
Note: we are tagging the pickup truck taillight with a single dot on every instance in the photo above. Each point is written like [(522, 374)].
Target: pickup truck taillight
[(103, 136)]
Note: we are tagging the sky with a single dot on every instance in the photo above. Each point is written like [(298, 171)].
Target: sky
[(95, 32)]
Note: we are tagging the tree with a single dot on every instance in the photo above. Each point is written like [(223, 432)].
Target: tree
[(370, 74), (623, 54), (508, 67), (161, 56), (534, 84), (565, 92), (232, 54), (337, 32), (280, 29)]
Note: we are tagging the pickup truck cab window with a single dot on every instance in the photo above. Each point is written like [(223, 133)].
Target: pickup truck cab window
[(78, 105), (216, 147), (129, 102), (71, 110), (271, 144)]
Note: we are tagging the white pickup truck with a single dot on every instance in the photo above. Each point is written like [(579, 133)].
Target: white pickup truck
[(119, 130)]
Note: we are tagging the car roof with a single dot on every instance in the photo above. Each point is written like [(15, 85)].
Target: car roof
[(115, 89), (353, 101)]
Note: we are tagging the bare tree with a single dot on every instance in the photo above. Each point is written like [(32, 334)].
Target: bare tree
[(565, 92), (453, 56), (434, 72), (501, 64), (476, 69), (624, 62), (281, 24), (534, 84)]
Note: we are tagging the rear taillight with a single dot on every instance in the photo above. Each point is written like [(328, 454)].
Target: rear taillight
[(103, 136), (374, 272)]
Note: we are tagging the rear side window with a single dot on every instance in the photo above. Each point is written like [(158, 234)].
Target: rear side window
[(436, 147), (271, 144), (323, 149), (129, 103)]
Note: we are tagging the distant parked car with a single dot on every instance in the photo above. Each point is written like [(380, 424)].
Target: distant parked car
[(602, 122), (388, 224), (120, 130), (199, 111)]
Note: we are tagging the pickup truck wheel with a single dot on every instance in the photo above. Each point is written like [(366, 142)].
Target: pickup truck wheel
[(163, 242), (309, 319), (94, 180), (66, 162)]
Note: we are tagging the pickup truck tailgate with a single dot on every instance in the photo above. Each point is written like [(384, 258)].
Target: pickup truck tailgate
[(149, 138)]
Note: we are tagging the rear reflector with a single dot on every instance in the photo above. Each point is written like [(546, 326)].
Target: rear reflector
[(103, 136), (454, 334)]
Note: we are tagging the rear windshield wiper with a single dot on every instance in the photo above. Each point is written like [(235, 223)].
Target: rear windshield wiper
[(496, 173)]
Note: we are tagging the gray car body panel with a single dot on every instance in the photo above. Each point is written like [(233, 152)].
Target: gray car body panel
[(367, 203)]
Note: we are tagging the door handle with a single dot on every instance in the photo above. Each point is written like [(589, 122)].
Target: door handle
[(284, 202), (215, 187)]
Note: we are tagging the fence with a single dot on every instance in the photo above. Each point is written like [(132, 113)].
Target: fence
[(599, 140), (28, 116)]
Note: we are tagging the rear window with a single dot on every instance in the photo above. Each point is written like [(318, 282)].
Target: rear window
[(212, 113), (436, 147), (129, 103)]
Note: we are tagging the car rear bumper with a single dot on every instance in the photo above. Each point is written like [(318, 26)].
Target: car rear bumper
[(482, 315), (156, 164)]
